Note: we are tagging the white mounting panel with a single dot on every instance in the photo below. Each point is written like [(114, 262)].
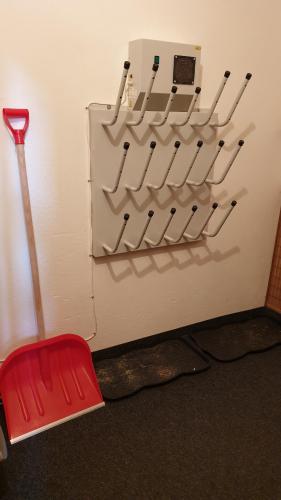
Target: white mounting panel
[(106, 147), (141, 57)]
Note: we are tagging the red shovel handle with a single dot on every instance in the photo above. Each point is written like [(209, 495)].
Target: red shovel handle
[(14, 114)]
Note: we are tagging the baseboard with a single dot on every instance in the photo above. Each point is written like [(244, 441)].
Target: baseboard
[(149, 341)]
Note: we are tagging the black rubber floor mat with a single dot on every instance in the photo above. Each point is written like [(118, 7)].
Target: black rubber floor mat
[(124, 375), (233, 341)]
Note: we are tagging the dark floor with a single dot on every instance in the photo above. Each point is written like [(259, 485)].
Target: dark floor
[(211, 436)]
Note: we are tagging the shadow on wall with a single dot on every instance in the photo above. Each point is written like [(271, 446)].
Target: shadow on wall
[(153, 261), (243, 134)]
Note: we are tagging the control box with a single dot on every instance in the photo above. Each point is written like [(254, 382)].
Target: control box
[(179, 64)]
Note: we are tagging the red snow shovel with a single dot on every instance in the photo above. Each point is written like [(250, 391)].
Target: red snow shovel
[(48, 382)]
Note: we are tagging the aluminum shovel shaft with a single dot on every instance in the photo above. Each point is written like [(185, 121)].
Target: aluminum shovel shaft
[(19, 135)]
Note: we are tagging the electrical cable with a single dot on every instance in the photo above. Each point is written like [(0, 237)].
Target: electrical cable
[(91, 234)]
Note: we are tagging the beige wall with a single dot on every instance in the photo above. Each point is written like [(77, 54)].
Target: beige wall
[(56, 57)]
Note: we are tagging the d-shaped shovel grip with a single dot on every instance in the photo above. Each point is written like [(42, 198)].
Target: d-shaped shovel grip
[(16, 114)]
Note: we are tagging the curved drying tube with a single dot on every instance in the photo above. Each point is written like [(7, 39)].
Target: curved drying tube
[(235, 104), (147, 163), (129, 245), (217, 152), (193, 159), (126, 146), (190, 109), (110, 250), (145, 99), (218, 228), (215, 101), (228, 167), (169, 220), (119, 96), (203, 225), (176, 147), (176, 240), (168, 108)]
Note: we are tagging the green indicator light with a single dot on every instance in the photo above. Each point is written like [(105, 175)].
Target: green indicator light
[(156, 59)]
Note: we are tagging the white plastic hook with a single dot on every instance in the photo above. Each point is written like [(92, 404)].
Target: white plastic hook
[(218, 228), (193, 159), (129, 245), (235, 104), (176, 147), (126, 146), (228, 167), (190, 109), (215, 101), (176, 240), (119, 96), (199, 183), (203, 225), (147, 163), (110, 250), (168, 108), (156, 243), (145, 99)]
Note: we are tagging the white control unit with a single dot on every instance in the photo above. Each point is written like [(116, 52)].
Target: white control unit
[(179, 64)]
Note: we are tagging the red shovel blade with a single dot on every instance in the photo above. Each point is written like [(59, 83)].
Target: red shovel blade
[(47, 383)]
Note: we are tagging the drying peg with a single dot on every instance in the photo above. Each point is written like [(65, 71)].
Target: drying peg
[(168, 108), (120, 95), (152, 147), (156, 243), (113, 250), (146, 98), (236, 102), (190, 109), (229, 165), (176, 147), (218, 228), (203, 225), (193, 159), (217, 152), (126, 146), (176, 240), (129, 245), (215, 101)]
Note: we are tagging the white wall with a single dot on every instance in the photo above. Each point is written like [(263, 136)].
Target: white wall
[(55, 58)]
